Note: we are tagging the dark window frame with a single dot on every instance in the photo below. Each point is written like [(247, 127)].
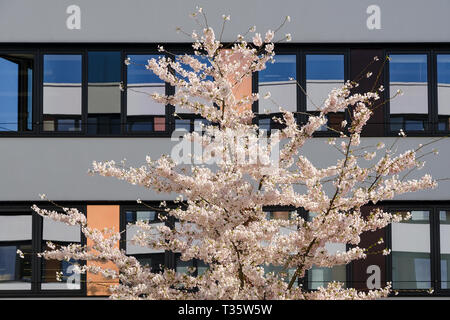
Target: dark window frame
[(435, 276), (429, 128), (346, 52), (35, 91), (36, 262)]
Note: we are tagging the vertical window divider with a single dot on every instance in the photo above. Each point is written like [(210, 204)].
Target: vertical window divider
[(36, 261), (387, 106), (302, 81), (433, 93), (84, 93), (432, 124), (40, 92), (298, 70), (123, 93), (388, 258)]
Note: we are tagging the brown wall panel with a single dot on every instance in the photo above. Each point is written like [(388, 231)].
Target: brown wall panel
[(365, 271), (360, 59), (100, 217)]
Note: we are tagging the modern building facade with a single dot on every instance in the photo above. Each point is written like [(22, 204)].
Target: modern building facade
[(61, 107)]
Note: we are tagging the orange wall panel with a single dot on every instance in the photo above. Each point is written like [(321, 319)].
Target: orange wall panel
[(101, 217)]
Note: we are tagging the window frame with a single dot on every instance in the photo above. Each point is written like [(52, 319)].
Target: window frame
[(435, 275), (430, 124), (285, 50), (36, 262), (35, 90), (346, 52)]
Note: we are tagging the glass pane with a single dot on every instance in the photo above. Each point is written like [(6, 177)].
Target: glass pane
[(286, 275), (202, 267), (279, 79), (62, 92), (15, 234), (411, 252), (443, 79), (16, 87), (141, 84), (131, 230), (104, 92), (264, 124), (320, 276), (183, 124), (154, 261), (183, 266), (408, 73), (204, 60), (444, 220), (324, 72), (59, 234)]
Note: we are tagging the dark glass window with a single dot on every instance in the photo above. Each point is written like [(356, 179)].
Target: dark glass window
[(408, 74), (60, 234), (15, 234), (185, 119), (324, 72), (62, 92), (16, 87), (153, 258), (411, 262), (143, 113), (279, 78), (443, 98), (322, 276), (444, 232), (277, 269), (104, 75)]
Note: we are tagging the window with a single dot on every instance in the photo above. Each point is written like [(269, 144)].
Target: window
[(280, 79), (60, 234), (324, 72), (62, 92), (16, 92), (408, 73), (156, 259), (153, 258), (322, 276), (104, 107), (443, 87), (281, 215), (411, 261), (21, 229), (15, 234), (184, 119), (143, 113), (444, 232)]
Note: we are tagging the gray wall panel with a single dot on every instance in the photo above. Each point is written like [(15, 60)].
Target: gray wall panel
[(58, 166), (155, 21)]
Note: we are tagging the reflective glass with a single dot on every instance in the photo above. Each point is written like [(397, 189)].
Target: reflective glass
[(444, 232), (16, 87), (322, 276), (443, 83), (62, 92), (15, 234), (104, 69), (141, 83), (408, 73), (279, 78), (411, 252), (324, 72), (60, 234)]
